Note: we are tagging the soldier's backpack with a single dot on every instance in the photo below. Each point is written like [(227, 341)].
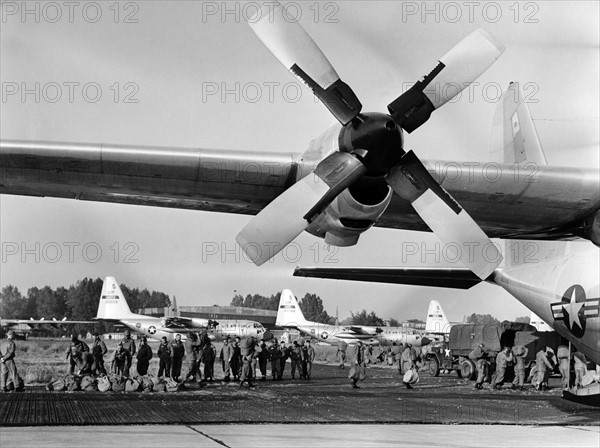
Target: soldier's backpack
[(132, 385), (104, 383), (88, 383), (172, 385), (58, 385), (147, 383), (160, 384), (72, 383), (117, 383), (562, 352)]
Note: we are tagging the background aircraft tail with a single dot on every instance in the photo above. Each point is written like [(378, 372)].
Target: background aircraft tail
[(538, 323), (289, 313), (437, 322), (112, 301), (514, 137)]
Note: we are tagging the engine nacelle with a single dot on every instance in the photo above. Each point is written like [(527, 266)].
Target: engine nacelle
[(345, 219)]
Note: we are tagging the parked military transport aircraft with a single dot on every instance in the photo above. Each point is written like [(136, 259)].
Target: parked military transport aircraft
[(344, 183), (113, 308), (557, 281), (289, 315)]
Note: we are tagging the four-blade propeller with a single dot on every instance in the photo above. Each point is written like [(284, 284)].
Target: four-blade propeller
[(371, 144)]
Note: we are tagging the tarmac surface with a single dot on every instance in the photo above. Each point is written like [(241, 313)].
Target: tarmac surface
[(324, 405)]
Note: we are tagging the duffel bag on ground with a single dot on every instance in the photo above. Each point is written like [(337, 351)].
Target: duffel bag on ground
[(132, 385), (104, 383), (88, 383), (172, 385), (72, 383)]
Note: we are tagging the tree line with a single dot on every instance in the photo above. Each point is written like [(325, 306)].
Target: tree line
[(77, 302)]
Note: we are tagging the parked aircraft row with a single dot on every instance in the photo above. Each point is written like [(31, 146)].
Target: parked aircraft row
[(113, 308), (289, 315)]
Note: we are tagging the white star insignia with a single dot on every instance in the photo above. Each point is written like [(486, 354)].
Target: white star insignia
[(573, 308)]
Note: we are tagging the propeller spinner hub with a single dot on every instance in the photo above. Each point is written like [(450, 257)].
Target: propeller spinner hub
[(379, 135)]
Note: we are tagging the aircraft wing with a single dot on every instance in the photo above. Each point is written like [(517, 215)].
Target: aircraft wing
[(37, 322), (44, 321), (365, 330), (538, 202), (187, 323), (459, 278)]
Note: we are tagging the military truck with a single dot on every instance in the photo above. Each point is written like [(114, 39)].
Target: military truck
[(453, 353)]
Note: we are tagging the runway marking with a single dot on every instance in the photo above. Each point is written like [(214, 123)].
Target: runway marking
[(209, 437)]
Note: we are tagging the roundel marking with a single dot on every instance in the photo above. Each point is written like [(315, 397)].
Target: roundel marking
[(574, 309)]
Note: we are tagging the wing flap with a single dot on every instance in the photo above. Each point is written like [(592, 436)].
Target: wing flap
[(458, 278)]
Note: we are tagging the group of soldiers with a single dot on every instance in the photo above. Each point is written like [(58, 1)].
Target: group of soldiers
[(83, 360), (239, 358), (515, 358)]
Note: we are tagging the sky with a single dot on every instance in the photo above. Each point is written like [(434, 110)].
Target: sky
[(192, 74)]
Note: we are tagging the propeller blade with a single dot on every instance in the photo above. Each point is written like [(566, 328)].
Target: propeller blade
[(454, 72), (445, 217), (291, 212), (296, 50)]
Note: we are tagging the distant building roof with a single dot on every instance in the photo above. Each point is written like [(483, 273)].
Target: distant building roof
[(265, 317)]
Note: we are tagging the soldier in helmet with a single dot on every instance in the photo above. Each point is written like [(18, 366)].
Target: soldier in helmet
[(503, 359), (177, 354), (119, 361), (77, 354), (129, 347), (164, 357), (144, 355), (8, 367), (520, 353), (479, 356), (98, 351), (225, 356)]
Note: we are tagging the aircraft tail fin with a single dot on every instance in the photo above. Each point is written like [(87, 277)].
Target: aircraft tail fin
[(289, 313), (112, 304), (437, 322), (514, 137)]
